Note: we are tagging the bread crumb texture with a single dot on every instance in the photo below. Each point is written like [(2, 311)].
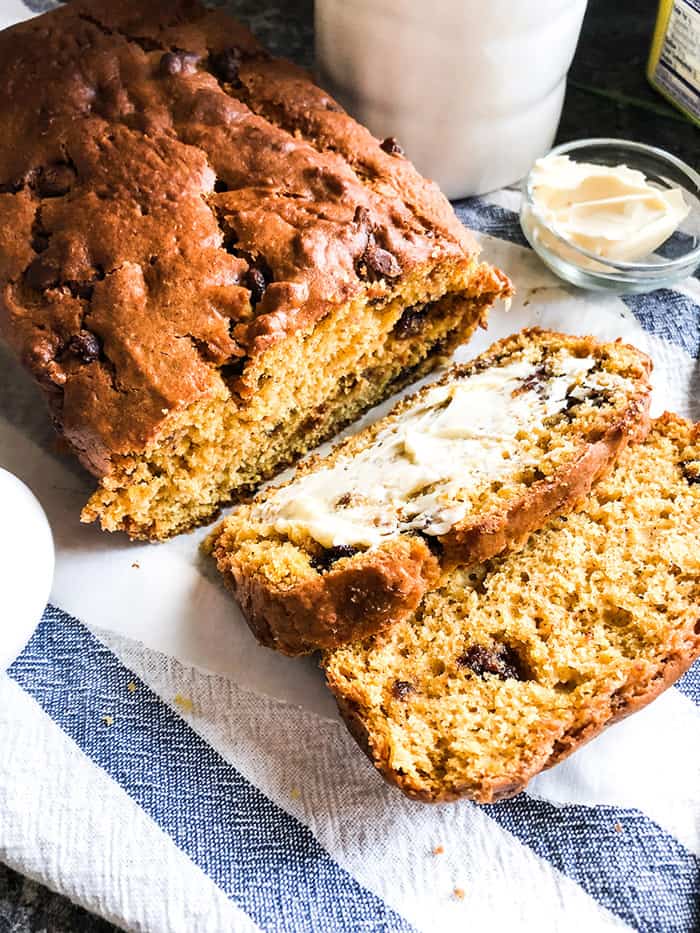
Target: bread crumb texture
[(513, 664)]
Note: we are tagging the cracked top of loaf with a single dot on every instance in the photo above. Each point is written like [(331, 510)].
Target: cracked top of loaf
[(172, 202)]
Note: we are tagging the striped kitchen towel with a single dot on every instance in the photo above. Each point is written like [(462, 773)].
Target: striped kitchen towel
[(188, 780), (167, 799)]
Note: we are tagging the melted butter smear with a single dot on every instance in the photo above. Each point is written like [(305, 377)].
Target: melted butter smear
[(420, 472)]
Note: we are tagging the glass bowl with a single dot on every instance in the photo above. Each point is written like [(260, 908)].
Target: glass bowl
[(674, 260)]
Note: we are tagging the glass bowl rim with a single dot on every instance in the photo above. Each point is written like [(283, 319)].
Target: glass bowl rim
[(645, 269)]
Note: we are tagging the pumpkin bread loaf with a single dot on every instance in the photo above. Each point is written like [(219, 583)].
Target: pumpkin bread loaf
[(207, 265)]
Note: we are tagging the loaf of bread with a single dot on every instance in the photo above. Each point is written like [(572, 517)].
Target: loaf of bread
[(459, 471), (508, 667), (207, 265)]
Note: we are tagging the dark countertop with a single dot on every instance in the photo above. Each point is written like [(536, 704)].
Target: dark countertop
[(608, 95)]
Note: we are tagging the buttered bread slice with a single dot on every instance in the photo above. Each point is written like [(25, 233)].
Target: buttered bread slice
[(456, 473), (507, 667)]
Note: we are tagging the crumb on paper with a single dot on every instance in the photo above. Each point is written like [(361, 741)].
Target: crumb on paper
[(131, 687), (438, 850), (136, 565), (618, 827), (459, 893), (107, 719), (184, 703), (295, 793)]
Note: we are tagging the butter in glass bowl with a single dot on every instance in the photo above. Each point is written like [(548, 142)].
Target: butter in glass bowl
[(613, 215)]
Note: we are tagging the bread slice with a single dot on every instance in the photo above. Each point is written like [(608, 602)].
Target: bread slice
[(507, 668), (456, 473)]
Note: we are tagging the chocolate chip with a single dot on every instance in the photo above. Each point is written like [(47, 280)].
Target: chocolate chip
[(170, 64), (691, 471), (225, 64), (330, 555), (334, 182), (533, 383), (486, 361), (85, 346), (178, 62), (501, 661), (409, 373), (361, 216), (571, 404), (42, 273), (82, 290), (255, 280), (598, 399), (392, 146), (55, 180), (618, 700), (380, 262), (40, 242), (411, 321), (402, 689), (362, 220), (235, 369), (595, 399), (434, 545), (11, 187)]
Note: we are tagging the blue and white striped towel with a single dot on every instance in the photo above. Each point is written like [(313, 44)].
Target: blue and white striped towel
[(169, 799)]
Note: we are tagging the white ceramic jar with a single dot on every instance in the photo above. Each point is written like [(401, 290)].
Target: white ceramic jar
[(26, 565), (472, 90)]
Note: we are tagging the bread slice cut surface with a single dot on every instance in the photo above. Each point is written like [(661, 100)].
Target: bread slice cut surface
[(508, 667), (454, 474)]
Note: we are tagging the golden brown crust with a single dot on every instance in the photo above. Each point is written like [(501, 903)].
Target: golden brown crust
[(171, 215), (347, 603), (303, 615)]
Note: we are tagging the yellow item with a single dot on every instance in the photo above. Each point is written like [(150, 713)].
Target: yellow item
[(674, 61)]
